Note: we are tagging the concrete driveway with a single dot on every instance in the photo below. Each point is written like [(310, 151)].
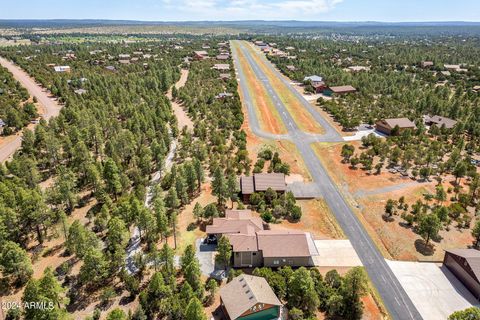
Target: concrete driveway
[(206, 257), (336, 253), (433, 289)]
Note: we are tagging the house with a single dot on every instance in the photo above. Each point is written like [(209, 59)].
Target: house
[(454, 67), (253, 246), (123, 56), (62, 69), (330, 91), (221, 66), (260, 182), (440, 121), (222, 56), (358, 68), (260, 43), (249, 297), (224, 95), (200, 55), (289, 48), (387, 126), (476, 88), (80, 91), (291, 68), (2, 124), (426, 64), (319, 87), (314, 80), (110, 68), (465, 265), (225, 76), (124, 61)]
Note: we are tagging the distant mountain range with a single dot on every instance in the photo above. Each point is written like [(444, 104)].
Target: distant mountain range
[(32, 23)]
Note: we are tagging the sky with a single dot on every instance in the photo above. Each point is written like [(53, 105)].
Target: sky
[(194, 10)]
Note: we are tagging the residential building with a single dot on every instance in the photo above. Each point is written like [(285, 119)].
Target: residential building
[(221, 66), (62, 69), (427, 64), (386, 126), (440, 121), (225, 76), (224, 95), (249, 297), (476, 88), (330, 91), (260, 182), (291, 68), (222, 57), (314, 80), (123, 56), (2, 124), (465, 265), (200, 55), (253, 246), (358, 68)]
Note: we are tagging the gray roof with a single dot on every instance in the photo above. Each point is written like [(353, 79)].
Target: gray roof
[(2, 123), (314, 78), (440, 121), (472, 256), (244, 292)]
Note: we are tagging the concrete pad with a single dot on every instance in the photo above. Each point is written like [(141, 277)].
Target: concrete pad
[(360, 134), (336, 253), (433, 289)]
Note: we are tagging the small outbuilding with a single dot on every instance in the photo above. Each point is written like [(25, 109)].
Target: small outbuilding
[(248, 297), (465, 265), (314, 80)]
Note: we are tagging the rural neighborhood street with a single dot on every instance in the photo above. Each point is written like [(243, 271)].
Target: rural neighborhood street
[(50, 107), (393, 295)]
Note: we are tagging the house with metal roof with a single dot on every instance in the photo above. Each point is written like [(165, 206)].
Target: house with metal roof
[(387, 126), (440, 121), (314, 80), (465, 265), (253, 246), (260, 182), (248, 297)]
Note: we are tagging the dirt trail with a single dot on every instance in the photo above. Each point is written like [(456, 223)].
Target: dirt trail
[(48, 107), (182, 117)]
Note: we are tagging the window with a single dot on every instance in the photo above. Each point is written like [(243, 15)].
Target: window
[(254, 253), (276, 262)]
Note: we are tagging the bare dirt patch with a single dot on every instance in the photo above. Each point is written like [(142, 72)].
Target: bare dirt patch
[(316, 219), (182, 117)]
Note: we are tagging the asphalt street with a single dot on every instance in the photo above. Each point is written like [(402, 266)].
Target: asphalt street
[(393, 295)]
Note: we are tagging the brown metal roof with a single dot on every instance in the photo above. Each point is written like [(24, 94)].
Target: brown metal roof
[(439, 121), (263, 181), (243, 225), (400, 122), (243, 242), (342, 89), (283, 243), (246, 184), (244, 292)]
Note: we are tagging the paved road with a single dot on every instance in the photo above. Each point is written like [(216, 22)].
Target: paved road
[(50, 107), (396, 300)]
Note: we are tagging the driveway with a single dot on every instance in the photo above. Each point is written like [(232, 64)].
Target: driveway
[(336, 253), (433, 289), (51, 107), (206, 257)]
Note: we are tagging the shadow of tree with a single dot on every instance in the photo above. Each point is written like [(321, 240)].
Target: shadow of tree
[(426, 250)]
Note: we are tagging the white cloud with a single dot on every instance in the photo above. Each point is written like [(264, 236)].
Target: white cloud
[(252, 9)]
